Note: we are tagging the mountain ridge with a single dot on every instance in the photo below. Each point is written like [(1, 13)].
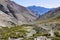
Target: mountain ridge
[(52, 16), (51, 13), (38, 10)]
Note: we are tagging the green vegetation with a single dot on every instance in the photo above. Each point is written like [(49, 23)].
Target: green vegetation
[(53, 19), (55, 38), (12, 32), (41, 34), (57, 34), (20, 32)]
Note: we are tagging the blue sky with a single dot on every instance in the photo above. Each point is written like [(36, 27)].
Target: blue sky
[(43, 3)]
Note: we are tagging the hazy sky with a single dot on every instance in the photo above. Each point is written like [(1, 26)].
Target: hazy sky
[(43, 3)]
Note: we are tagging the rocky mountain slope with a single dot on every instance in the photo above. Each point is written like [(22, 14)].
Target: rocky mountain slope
[(50, 14), (51, 19), (12, 13)]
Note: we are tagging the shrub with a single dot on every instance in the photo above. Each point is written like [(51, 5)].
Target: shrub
[(57, 34), (55, 38)]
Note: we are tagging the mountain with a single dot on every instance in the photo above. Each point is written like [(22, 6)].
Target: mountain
[(14, 14), (38, 10), (24, 24), (50, 21), (50, 14)]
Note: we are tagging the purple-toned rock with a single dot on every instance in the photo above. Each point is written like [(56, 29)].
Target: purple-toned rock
[(15, 13)]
